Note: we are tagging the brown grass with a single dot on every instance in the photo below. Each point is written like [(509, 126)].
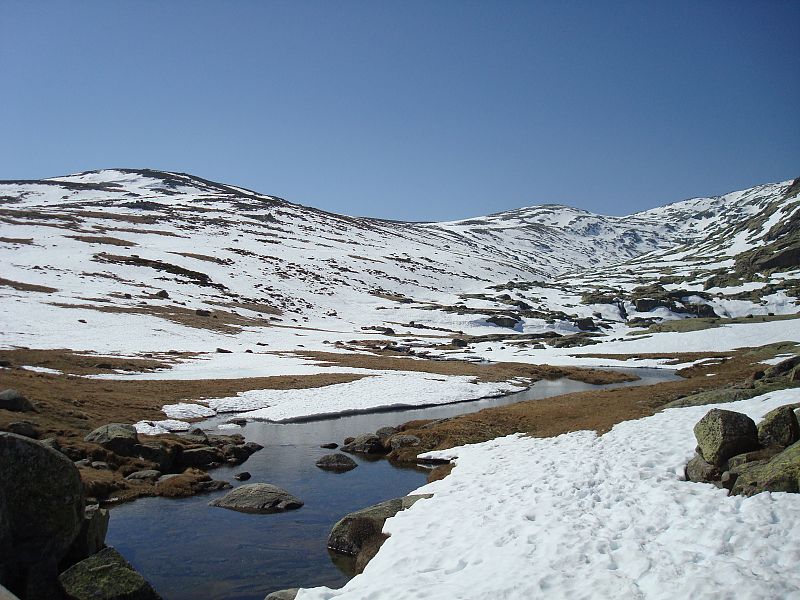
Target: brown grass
[(593, 410), (102, 239), (8, 240), (203, 257), (26, 287)]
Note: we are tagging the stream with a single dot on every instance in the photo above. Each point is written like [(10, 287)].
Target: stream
[(189, 550)]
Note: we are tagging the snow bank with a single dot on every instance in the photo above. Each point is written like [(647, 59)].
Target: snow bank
[(379, 390), (581, 516)]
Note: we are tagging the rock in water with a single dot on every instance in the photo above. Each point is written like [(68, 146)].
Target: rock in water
[(779, 427), (43, 509), (724, 433), (92, 536), (261, 498), (354, 530), (117, 437), (336, 462), (14, 401), (289, 594), (365, 444), (105, 576)]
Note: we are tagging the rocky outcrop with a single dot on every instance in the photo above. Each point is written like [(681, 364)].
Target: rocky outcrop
[(772, 464), (336, 462), (353, 531), (117, 437), (724, 433), (260, 498), (105, 576), (503, 321), (42, 503), (92, 536), (14, 401)]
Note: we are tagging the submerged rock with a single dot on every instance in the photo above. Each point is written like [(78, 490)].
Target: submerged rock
[(289, 594), (260, 498), (336, 462), (105, 576), (365, 444), (722, 434)]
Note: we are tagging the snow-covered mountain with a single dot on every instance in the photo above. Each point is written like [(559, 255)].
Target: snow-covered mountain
[(163, 245)]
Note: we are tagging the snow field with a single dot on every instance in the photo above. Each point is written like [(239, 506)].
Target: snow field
[(581, 516)]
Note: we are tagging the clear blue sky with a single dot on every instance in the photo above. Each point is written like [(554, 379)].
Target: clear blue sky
[(410, 110)]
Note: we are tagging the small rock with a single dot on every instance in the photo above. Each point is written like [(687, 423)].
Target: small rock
[(14, 401), (224, 351), (162, 294), (201, 312), (101, 465), (144, 475), (330, 446), (24, 428), (260, 498), (336, 462), (723, 433), (243, 476), (699, 470), (105, 576)]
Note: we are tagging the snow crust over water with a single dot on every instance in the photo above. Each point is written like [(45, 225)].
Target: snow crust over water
[(582, 516)]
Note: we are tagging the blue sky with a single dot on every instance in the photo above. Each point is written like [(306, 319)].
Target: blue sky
[(410, 110)]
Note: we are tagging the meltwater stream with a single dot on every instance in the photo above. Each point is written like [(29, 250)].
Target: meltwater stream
[(191, 551)]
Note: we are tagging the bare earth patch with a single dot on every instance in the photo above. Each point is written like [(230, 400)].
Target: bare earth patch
[(26, 287), (102, 239)]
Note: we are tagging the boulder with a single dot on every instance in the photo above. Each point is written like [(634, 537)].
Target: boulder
[(336, 462), (261, 498), (289, 594), (385, 432), (503, 321), (779, 474), (585, 324), (14, 401), (723, 433), (782, 368), (120, 438), (24, 428), (756, 455), (144, 475), (200, 457), (105, 576), (779, 427), (459, 343), (163, 454), (699, 470), (243, 476), (365, 444), (92, 536), (43, 510), (646, 304), (353, 531)]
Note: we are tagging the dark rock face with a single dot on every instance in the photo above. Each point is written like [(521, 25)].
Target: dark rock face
[(105, 576), (354, 530), (368, 551), (336, 462), (117, 437), (699, 470), (14, 401), (646, 304), (164, 455), (261, 498), (779, 427), (722, 434), (585, 324), (43, 510), (289, 594), (459, 343), (365, 444)]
